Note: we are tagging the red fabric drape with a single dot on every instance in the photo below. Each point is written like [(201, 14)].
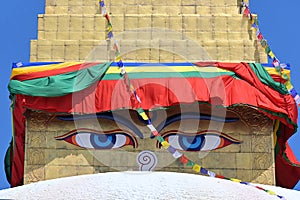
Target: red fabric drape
[(287, 172), (159, 92), (17, 162), (290, 154)]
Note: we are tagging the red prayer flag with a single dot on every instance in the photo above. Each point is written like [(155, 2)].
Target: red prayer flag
[(155, 133), (258, 187), (220, 176), (247, 12), (184, 159), (107, 17), (260, 36)]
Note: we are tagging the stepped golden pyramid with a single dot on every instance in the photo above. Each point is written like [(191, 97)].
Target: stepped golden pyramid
[(70, 29)]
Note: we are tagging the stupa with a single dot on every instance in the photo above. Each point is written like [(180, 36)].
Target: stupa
[(193, 95)]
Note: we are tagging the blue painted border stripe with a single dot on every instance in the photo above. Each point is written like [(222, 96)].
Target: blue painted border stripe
[(132, 64)]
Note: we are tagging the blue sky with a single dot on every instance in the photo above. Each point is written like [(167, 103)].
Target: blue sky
[(278, 21)]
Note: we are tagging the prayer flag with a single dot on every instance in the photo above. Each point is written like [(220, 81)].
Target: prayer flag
[(246, 2), (293, 92), (220, 176), (120, 64), (116, 47), (211, 174), (288, 85), (245, 183), (165, 144), (204, 171), (102, 6), (19, 64), (246, 12), (284, 65), (151, 127), (258, 187), (235, 180), (177, 154), (275, 62), (184, 160), (172, 150), (259, 36), (101, 2), (110, 35), (190, 163), (160, 139), (267, 49), (271, 192), (263, 43), (297, 100), (271, 54), (144, 116), (257, 32), (155, 133), (138, 98), (254, 22), (132, 89), (197, 168), (118, 57), (107, 17), (123, 71), (109, 27)]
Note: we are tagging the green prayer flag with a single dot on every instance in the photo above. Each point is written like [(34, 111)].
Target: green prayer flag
[(190, 163), (160, 139)]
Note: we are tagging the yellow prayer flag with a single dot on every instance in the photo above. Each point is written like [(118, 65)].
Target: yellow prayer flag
[(271, 192), (131, 87), (165, 144), (118, 58), (144, 116), (197, 168), (109, 28), (235, 180), (288, 85), (271, 54)]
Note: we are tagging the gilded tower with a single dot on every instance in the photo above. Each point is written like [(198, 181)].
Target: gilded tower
[(70, 29)]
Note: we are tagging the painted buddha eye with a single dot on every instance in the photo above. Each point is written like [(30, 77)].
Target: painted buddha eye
[(201, 141), (92, 139)]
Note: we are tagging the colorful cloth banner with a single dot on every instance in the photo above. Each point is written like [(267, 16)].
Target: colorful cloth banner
[(276, 63), (110, 36)]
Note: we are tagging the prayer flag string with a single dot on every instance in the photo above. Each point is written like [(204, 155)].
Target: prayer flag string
[(110, 36), (183, 160), (264, 43)]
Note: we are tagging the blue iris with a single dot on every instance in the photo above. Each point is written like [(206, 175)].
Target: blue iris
[(103, 141), (191, 143)]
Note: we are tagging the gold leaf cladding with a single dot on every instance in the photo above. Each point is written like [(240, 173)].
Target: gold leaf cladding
[(38, 120), (34, 173), (257, 121)]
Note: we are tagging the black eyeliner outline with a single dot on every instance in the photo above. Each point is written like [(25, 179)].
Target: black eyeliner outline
[(113, 117), (89, 131), (191, 115)]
